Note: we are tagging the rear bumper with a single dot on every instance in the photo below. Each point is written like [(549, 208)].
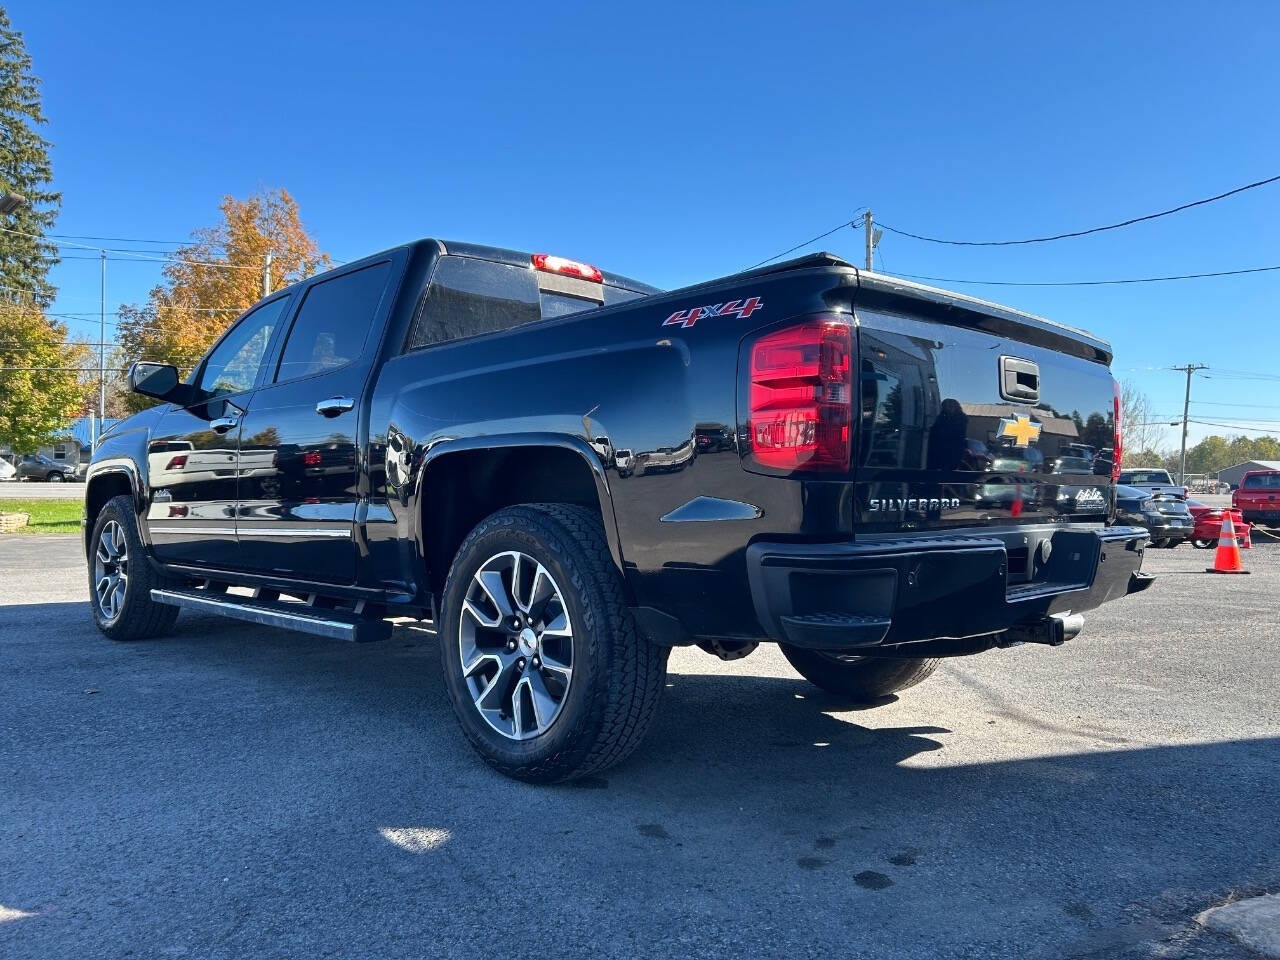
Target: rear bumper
[(1260, 516), (1170, 529), (886, 591)]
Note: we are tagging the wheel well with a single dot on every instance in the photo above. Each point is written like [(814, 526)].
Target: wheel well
[(461, 489), (101, 489)]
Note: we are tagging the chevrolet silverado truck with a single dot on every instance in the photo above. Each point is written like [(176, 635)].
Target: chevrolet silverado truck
[(568, 473)]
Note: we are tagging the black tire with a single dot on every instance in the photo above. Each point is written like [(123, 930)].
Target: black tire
[(137, 616), (860, 679), (617, 674), (54, 477), (1204, 544)]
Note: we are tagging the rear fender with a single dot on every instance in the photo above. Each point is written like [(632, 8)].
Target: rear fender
[(438, 451)]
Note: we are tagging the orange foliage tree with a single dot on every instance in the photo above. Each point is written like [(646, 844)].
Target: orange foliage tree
[(214, 279)]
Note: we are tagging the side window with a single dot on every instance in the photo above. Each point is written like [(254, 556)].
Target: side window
[(470, 297), (233, 365), (333, 322)]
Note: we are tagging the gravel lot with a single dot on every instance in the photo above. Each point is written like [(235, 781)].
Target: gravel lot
[(246, 792)]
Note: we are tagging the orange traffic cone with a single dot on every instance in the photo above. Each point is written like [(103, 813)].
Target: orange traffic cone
[(1227, 559), (1245, 542)]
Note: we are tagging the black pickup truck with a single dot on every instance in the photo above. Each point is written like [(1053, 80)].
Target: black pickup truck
[(568, 473)]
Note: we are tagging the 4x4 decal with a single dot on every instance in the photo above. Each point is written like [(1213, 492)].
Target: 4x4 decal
[(687, 318)]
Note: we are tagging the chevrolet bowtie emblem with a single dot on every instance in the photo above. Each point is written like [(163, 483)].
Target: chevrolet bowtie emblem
[(1021, 428)]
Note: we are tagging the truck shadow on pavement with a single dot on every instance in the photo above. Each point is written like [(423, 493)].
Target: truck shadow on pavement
[(331, 760)]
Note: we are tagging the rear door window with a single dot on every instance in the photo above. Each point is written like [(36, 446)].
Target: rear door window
[(333, 322)]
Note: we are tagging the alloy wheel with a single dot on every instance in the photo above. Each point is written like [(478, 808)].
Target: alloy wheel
[(111, 570), (516, 644)]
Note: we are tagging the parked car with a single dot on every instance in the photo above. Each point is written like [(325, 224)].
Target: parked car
[(1165, 517), (1153, 481), (7, 470), (1208, 524), (1258, 497), (36, 466), (506, 444)]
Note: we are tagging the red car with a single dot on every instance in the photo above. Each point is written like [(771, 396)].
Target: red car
[(1258, 497), (1209, 524)]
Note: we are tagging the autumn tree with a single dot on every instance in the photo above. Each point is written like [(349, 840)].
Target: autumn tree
[(1215, 453), (1141, 433), (25, 256), (40, 383), (215, 278)]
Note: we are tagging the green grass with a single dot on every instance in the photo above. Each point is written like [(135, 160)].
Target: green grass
[(47, 516)]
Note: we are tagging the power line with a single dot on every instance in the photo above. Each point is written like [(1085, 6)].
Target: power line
[(1082, 233), (1223, 403), (1235, 426), (76, 236), (1089, 283), (821, 236), (125, 253)]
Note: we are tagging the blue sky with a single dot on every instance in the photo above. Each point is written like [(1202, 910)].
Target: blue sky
[(676, 142)]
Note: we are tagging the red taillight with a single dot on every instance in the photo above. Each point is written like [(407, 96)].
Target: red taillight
[(568, 268), (801, 399), (1119, 446), (177, 463), (311, 458)]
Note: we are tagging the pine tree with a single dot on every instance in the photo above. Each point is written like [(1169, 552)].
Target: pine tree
[(25, 256)]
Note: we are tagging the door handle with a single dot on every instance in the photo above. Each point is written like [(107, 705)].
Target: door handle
[(334, 406), (223, 424)]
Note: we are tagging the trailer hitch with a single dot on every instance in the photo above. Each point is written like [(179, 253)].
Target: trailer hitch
[(1052, 631)]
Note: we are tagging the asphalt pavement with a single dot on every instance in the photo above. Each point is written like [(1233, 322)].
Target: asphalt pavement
[(15, 490), (233, 791)]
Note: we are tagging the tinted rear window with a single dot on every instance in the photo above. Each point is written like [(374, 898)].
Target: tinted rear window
[(561, 304), (469, 297), (1262, 481)]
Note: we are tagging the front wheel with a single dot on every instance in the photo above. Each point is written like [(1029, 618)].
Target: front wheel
[(861, 679), (1204, 544), (54, 478), (120, 579), (548, 676)]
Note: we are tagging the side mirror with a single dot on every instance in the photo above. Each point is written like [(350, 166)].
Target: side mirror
[(158, 380)]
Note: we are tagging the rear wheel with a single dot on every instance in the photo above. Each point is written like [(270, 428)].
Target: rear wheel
[(1204, 544), (121, 580), (861, 679), (548, 676), (55, 477)]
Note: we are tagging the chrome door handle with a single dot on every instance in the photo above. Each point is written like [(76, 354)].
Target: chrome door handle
[(223, 424), (334, 406)]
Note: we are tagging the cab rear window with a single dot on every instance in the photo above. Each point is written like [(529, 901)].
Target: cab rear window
[(469, 296), (1145, 476), (1262, 481)]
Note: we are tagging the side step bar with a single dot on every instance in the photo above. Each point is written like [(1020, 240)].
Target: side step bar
[(336, 624)]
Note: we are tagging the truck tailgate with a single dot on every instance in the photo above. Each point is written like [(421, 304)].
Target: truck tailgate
[(968, 420)]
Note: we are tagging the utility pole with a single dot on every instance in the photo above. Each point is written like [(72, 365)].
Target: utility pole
[(871, 244), (102, 349), (1189, 369), (266, 276)]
